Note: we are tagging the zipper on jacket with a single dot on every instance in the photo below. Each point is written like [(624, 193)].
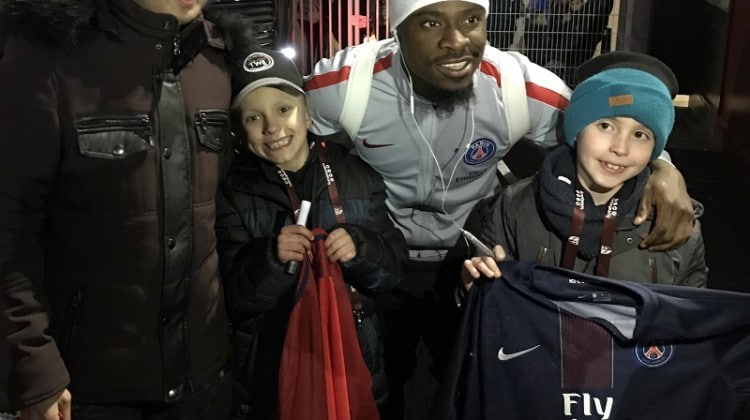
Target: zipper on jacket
[(212, 118), (176, 46), (140, 124), (212, 128), (654, 271), (541, 253), (71, 318)]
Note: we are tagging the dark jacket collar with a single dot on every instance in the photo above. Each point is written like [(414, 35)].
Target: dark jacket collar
[(127, 12), (59, 23), (158, 25)]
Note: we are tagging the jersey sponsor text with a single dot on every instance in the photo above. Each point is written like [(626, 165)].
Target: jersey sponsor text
[(586, 406)]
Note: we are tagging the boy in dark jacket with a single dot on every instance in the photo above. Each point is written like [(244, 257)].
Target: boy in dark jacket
[(275, 168), (576, 212)]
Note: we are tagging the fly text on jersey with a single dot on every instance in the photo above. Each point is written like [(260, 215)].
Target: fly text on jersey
[(586, 406)]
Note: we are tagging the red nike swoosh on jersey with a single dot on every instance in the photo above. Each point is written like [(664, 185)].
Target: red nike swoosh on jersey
[(373, 146)]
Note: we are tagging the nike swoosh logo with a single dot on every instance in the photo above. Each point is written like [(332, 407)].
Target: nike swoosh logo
[(503, 356), (373, 146)]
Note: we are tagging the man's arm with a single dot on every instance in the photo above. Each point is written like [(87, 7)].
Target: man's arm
[(30, 144), (325, 89), (548, 96)]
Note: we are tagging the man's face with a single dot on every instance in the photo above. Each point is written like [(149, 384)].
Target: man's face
[(185, 10), (443, 45)]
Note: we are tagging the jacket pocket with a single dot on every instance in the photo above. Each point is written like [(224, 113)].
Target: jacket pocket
[(114, 136), (212, 128)]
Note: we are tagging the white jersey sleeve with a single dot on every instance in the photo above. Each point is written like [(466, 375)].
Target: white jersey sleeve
[(326, 88), (547, 96)]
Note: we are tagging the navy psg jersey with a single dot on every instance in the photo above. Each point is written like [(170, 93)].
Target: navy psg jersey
[(547, 343)]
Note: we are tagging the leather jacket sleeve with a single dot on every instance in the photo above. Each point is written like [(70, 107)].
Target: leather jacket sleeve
[(29, 137)]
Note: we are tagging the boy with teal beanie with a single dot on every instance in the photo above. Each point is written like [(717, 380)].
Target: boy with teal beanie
[(577, 211)]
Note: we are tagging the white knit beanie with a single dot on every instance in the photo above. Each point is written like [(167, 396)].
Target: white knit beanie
[(401, 9)]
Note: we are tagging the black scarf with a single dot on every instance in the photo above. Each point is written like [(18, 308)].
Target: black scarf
[(557, 199)]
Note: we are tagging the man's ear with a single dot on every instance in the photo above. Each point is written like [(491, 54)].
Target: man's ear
[(308, 120)]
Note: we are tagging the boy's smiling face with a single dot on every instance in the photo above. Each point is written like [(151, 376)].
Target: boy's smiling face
[(276, 124), (609, 152)]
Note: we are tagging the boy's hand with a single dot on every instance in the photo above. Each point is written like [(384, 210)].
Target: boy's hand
[(293, 243), (340, 246), (478, 266)]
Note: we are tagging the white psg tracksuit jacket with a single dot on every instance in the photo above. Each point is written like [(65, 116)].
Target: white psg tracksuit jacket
[(467, 144)]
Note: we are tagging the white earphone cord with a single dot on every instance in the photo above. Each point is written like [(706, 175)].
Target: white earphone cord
[(468, 237)]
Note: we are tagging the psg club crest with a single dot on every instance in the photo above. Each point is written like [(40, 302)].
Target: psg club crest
[(653, 355), (480, 151)]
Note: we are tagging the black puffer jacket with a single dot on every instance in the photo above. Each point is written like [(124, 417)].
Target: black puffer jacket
[(259, 291), (114, 130)]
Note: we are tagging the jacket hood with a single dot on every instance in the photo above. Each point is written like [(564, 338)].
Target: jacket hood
[(49, 22)]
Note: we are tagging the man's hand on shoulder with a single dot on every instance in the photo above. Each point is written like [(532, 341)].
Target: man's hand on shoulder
[(674, 217)]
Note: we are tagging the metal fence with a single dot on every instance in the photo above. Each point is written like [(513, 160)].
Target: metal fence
[(270, 17), (327, 26), (557, 34)]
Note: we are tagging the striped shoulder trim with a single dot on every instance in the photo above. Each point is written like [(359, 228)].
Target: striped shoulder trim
[(533, 91), (341, 75), (548, 96), (490, 70)]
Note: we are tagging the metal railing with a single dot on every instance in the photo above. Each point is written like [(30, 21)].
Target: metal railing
[(326, 26), (557, 34)]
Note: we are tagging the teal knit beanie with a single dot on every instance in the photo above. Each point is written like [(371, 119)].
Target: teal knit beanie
[(622, 92)]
